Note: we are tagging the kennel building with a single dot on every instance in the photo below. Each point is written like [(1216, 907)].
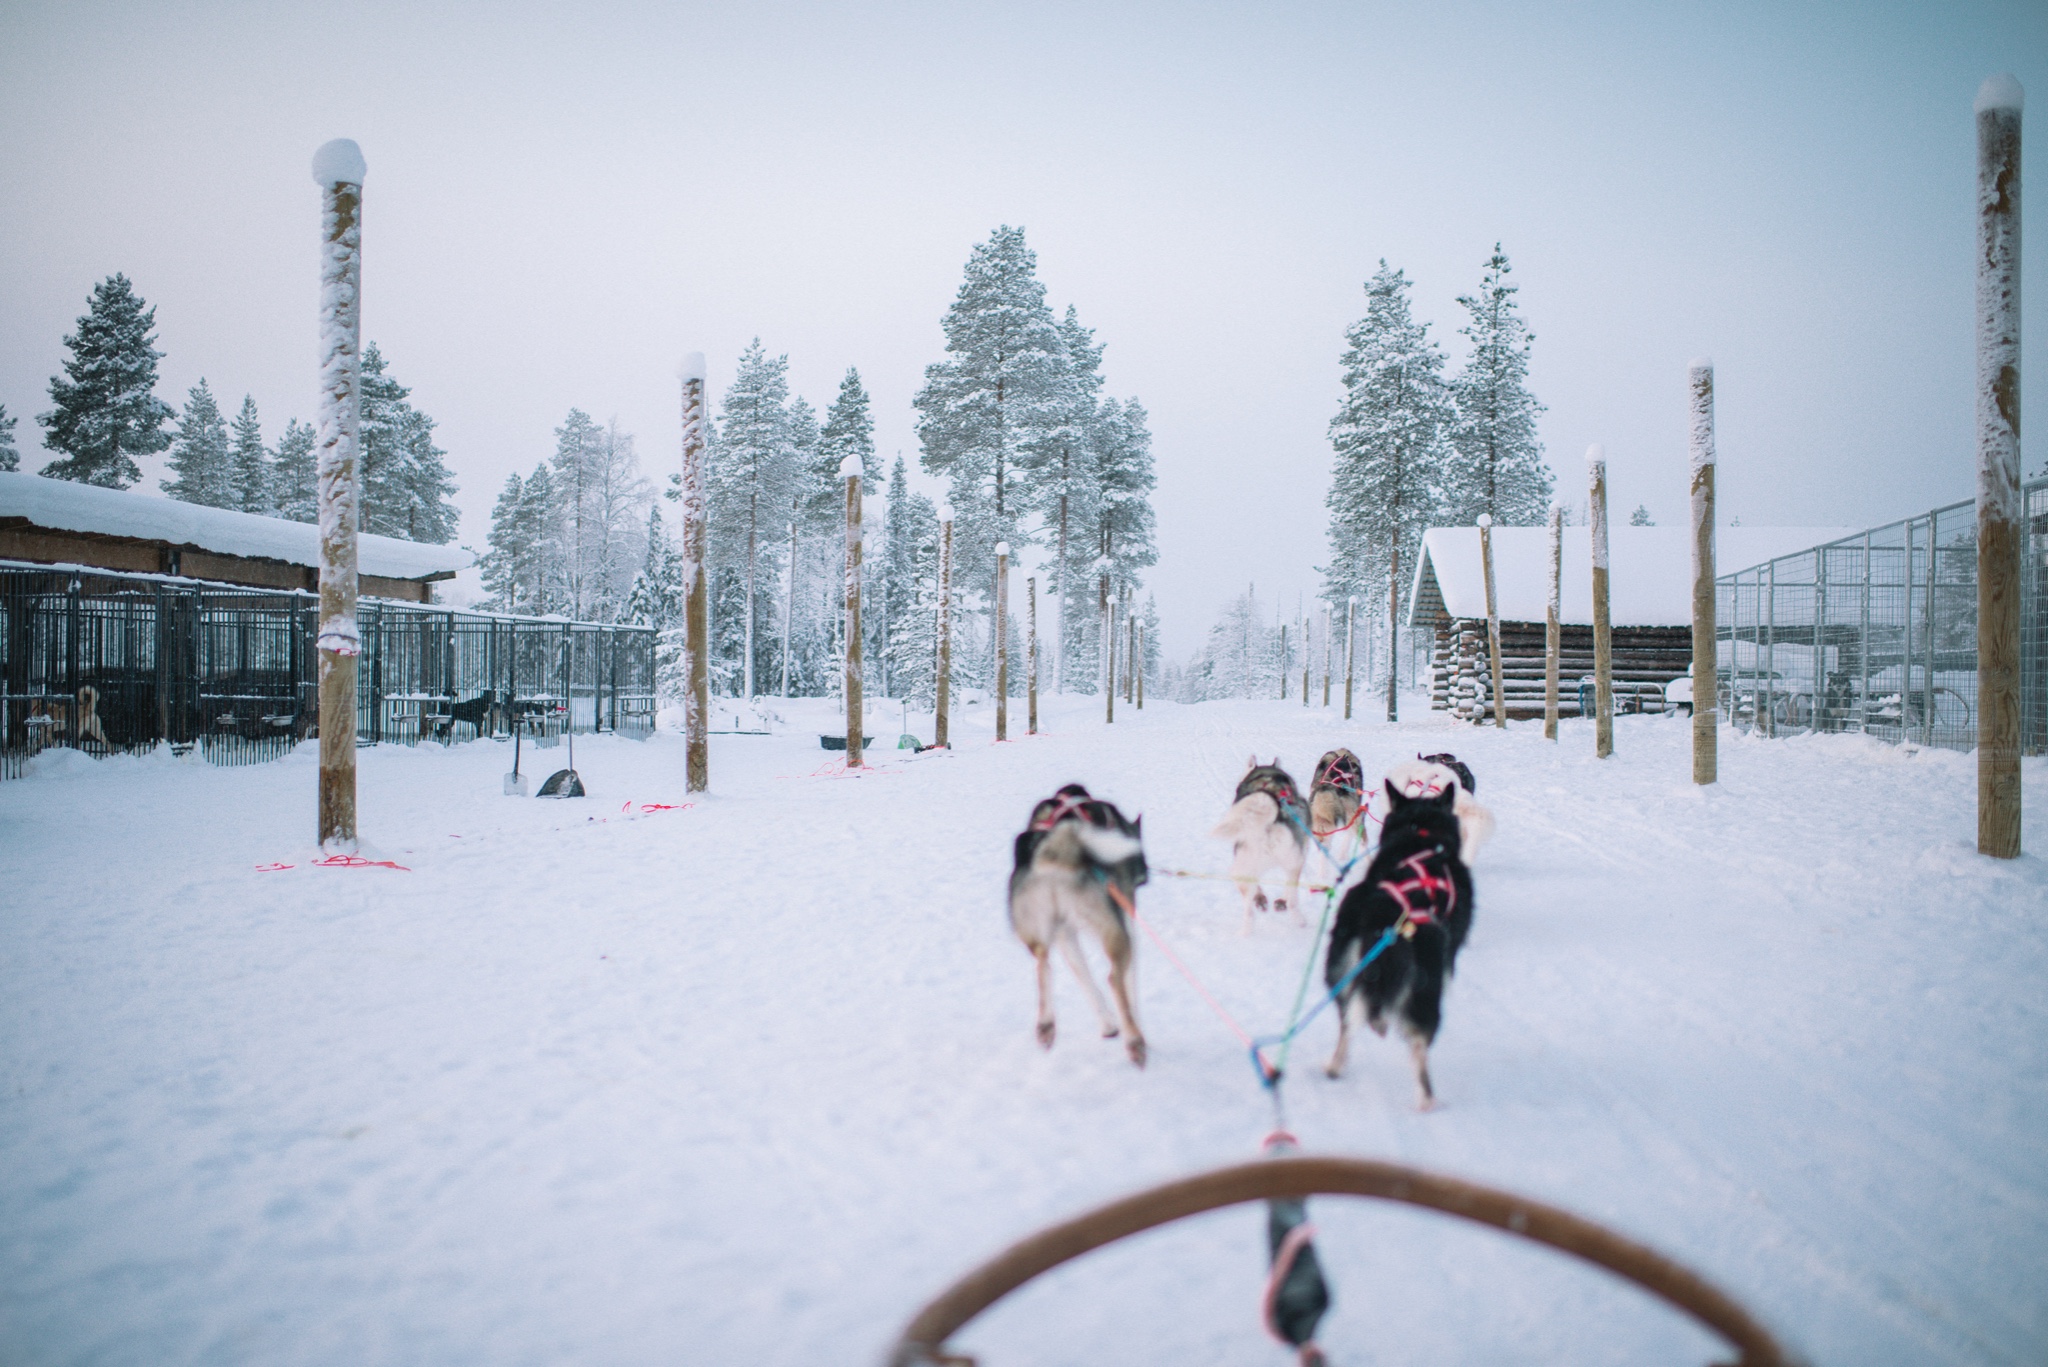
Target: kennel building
[(1649, 609), (126, 626)]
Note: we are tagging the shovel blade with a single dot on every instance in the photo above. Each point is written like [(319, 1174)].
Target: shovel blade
[(562, 783), (515, 785)]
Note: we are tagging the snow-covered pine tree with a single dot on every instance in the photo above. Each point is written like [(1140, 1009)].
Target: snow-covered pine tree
[(909, 550), (1498, 467), (200, 455), (1389, 437), (406, 485), (1124, 481), (754, 479), (656, 600), (1149, 621), (543, 571), (850, 430), (292, 474), (1238, 659), (1066, 495), (1641, 517), (107, 410), (987, 416), (574, 441), (249, 465), (10, 456), (503, 563)]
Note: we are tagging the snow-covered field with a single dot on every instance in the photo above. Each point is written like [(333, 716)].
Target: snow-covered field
[(747, 1082)]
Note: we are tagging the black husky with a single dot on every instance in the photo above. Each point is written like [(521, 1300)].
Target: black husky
[(1419, 888), (1079, 864)]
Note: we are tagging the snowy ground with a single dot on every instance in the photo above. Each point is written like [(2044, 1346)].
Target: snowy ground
[(747, 1082)]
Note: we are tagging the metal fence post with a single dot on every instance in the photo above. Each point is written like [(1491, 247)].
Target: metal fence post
[(1933, 559)]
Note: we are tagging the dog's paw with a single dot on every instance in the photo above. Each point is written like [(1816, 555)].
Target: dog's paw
[(1045, 1031), (1425, 1103), (1259, 902), (1333, 1071), (1110, 1032), (1136, 1049)]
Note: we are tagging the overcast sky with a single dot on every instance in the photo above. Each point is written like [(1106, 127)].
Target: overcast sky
[(563, 199)]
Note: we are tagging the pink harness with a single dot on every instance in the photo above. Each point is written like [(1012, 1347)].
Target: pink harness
[(1426, 883)]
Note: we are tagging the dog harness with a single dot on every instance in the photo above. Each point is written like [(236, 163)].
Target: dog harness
[(1425, 883), (1064, 807), (1345, 778)]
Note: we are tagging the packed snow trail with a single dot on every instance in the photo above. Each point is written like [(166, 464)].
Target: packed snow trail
[(749, 1081)]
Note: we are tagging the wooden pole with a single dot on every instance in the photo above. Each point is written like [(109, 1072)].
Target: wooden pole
[(1108, 653), (1329, 653), (1138, 669), (1706, 689), (1999, 105), (338, 168), (696, 592), (1031, 601), (788, 609), (1130, 649), (1286, 662), (1603, 645), (943, 690), (1500, 701), (1350, 652), (856, 721), (1002, 619), (1553, 633)]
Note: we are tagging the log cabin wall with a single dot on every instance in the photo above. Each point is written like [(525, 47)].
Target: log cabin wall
[(1645, 659)]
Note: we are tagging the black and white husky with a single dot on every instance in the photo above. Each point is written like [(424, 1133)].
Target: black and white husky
[(1079, 864), (1267, 825), (1419, 888)]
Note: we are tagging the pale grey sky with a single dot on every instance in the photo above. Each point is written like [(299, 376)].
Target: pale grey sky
[(564, 199)]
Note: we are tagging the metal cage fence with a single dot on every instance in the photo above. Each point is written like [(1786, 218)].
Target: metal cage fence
[(1877, 633), (109, 663)]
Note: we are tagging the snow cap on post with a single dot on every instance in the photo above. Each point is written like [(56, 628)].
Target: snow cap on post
[(849, 466), (339, 162), (692, 367), (1486, 519), (2001, 92), (946, 511), (1699, 384), (1002, 548), (1596, 454)]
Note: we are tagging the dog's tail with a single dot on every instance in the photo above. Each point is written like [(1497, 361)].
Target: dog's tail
[(1072, 842), (1250, 813)]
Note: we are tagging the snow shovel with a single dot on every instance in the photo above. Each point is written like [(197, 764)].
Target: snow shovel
[(515, 782), (564, 782)]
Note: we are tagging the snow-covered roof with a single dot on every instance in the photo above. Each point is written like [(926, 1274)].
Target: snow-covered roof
[(1649, 569), (61, 505)]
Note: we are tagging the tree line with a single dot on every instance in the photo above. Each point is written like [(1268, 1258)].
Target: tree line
[(1014, 421), (106, 413)]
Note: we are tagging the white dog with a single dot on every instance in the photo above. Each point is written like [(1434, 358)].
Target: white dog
[(1425, 778), (1268, 828)]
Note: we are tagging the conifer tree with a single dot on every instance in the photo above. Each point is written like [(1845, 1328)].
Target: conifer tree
[(503, 563), (754, 479), (200, 455), (10, 457), (849, 430), (1067, 493), (1640, 517), (107, 410), (989, 416), (1498, 467), (249, 466), (1389, 438), (542, 534), (406, 485), (293, 474), (909, 588)]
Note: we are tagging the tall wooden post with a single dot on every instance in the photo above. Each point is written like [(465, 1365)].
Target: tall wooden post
[(1329, 652), (338, 168), (1002, 621), (1706, 687), (1350, 652), (1108, 652), (1138, 663), (856, 722), (1500, 700), (1130, 649), (788, 609), (1031, 604), (943, 690), (1603, 640), (1553, 632), (1999, 105), (696, 591)]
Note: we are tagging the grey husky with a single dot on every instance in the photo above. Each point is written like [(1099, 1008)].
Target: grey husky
[(1079, 864)]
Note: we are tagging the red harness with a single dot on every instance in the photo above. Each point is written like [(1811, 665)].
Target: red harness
[(1066, 807), (1353, 780), (1426, 883)]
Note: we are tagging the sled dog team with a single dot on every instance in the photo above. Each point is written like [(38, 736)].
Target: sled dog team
[(1079, 863)]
